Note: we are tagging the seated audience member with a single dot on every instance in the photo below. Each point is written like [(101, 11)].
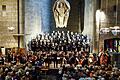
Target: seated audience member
[(1, 59)]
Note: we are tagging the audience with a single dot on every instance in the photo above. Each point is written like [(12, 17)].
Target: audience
[(69, 50)]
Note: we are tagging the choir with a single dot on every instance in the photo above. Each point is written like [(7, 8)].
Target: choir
[(60, 41)]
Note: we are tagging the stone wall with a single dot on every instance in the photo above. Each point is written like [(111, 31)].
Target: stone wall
[(8, 18)]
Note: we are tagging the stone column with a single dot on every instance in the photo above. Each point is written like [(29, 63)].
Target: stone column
[(89, 23), (21, 22)]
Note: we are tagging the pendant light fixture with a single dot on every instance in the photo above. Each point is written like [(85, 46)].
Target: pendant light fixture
[(103, 18)]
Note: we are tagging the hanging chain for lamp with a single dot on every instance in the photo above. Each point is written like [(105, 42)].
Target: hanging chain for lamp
[(116, 11)]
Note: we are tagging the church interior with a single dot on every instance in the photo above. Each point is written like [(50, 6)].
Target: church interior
[(59, 39)]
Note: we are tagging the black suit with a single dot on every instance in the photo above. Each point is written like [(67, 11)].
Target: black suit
[(13, 60), (1, 61), (55, 59)]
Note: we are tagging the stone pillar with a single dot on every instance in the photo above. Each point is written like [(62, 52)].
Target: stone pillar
[(89, 23), (95, 42), (22, 21)]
